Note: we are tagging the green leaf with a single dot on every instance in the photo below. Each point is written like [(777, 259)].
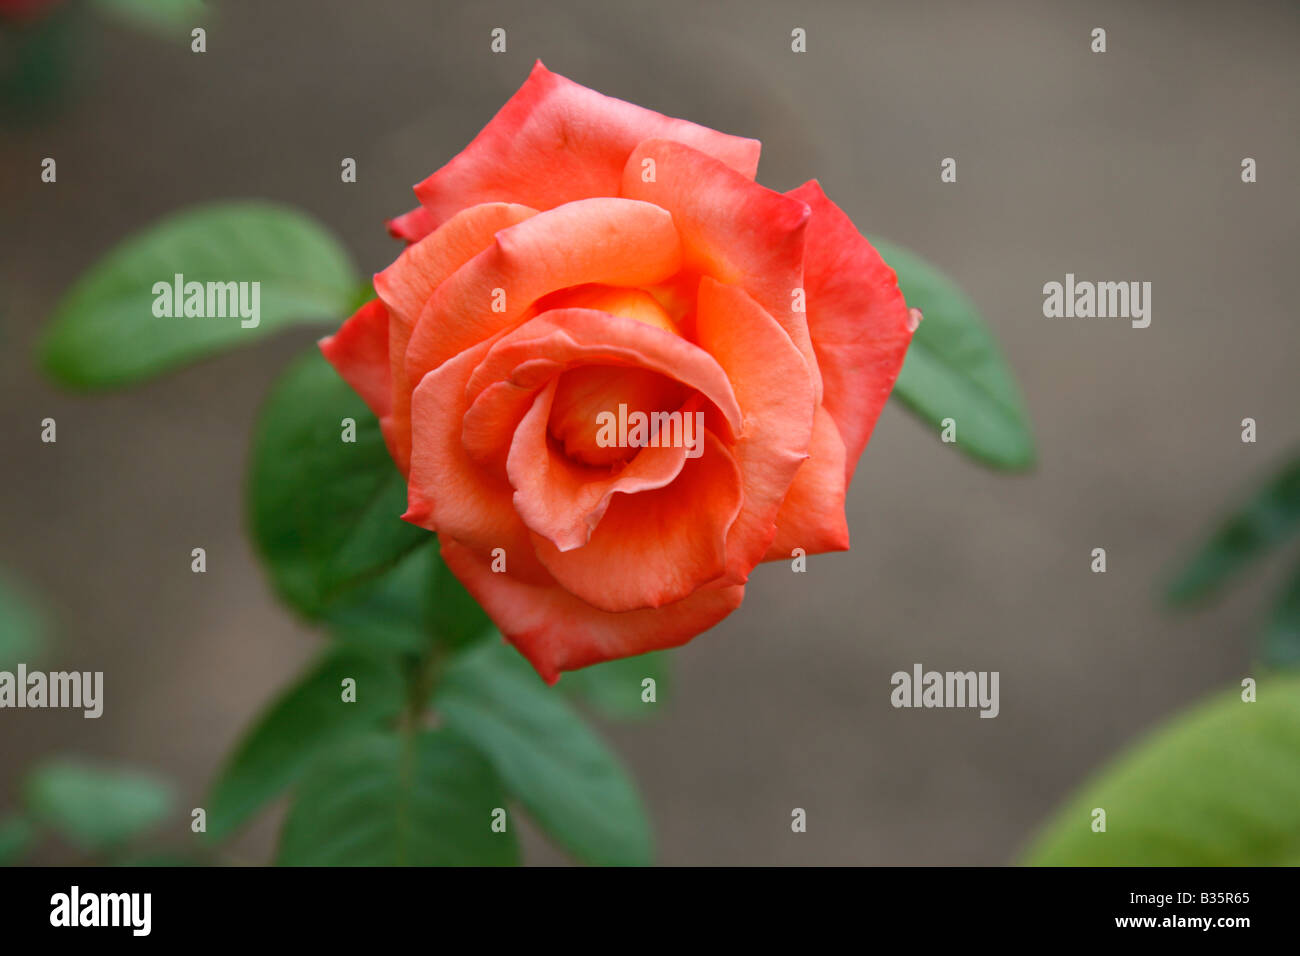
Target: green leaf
[(565, 776), (614, 688), (405, 609), (92, 807), (390, 800), (162, 17), (306, 719), (325, 513), (455, 617), (1218, 785), (16, 836), (1268, 519), (954, 368), (23, 624), (104, 331), (1280, 647), (392, 611)]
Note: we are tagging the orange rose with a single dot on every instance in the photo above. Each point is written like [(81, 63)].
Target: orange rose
[(586, 266)]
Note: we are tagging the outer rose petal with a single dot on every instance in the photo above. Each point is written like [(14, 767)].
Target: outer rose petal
[(732, 229), (656, 547), (776, 397), (408, 283), (616, 242), (412, 226), (359, 353), (812, 515), (858, 320), (557, 631), (556, 141)]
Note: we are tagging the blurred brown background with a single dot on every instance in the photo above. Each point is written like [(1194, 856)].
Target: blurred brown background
[(1118, 166)]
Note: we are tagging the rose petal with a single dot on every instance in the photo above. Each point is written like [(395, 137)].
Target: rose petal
[(561, 339), (558, 498), (858, 319), (732, 229), (812, 515), (772, 385), (359, 352), (412, 226), (555, 141), (563, 501), (609, 241), (655, 547), (558, 631), (447, 491), (407, 285)]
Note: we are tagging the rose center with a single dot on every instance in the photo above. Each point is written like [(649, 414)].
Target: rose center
[(590, 398)]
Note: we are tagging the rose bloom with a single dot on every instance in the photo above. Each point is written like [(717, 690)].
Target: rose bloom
[(583, 254)]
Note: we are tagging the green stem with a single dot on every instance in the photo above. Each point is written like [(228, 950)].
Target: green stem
[(424, 678)]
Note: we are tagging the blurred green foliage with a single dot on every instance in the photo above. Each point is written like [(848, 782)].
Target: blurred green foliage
[(1218, 785), (1267, 519)]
